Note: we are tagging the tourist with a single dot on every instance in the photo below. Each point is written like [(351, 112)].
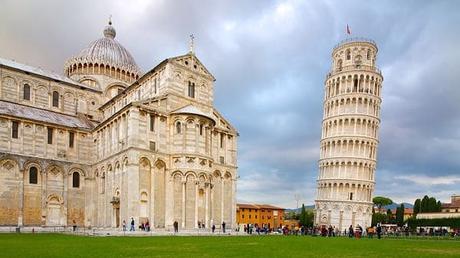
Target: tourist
[(74, 225), (213, 228), (147, 226), (132, 225), (223, 227), (350, 231), (176, 226), (358, 231), (379, 230), (124, 225)]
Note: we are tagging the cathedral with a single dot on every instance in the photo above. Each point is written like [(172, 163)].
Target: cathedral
[(106, 142)]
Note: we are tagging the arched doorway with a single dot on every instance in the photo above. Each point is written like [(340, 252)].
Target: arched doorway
[(54, 211)]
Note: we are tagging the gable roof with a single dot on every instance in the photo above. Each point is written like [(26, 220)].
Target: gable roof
[(196, 60)]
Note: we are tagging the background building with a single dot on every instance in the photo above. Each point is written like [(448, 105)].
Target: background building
[(260, 214), (448, 210), (107, 142), (349, 136)]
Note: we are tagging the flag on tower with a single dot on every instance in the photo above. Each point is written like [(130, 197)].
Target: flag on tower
[(348, 30)]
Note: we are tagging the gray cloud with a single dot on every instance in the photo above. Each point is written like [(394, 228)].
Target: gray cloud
[(270, 59)]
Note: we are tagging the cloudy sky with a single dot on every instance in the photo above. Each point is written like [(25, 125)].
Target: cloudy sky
[(270, 59)]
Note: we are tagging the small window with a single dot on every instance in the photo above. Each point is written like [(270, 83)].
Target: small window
[(201, 129), (348, 54), (33, 176), (222, 160), (242, 216), (249, 215), (152, 146), (26, 93), (178, 128), (15, 130), (191, 89), (152, 123), (256, 216), (155, 86), (71, 139), (222, 140), (351, 196), (368, 54), (55, 99), (50, 135), (76, 180)]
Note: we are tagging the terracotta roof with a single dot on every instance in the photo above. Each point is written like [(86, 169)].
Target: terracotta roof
[(246, 206), (258, 206), (42, 115)]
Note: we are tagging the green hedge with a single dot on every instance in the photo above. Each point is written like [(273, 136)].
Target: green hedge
[(445, 222)]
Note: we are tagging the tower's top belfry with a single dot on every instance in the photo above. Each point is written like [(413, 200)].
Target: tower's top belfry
[(355, 53)]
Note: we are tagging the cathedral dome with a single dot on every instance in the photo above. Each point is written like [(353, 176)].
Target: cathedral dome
[(104, 56)]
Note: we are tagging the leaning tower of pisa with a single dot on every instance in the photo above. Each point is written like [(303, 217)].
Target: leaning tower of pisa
[(349, 138)]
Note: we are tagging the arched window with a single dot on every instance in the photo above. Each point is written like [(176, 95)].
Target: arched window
[(26, 93), (55, 99), (178, 128), (191, 89), (339, 65), (348, 54), (33, 175), (368, 54), (76, 180)]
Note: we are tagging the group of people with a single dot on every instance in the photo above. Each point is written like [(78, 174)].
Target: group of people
[(132, 228), (250, 228)]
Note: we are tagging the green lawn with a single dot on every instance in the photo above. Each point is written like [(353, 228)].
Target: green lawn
[(55, 245)]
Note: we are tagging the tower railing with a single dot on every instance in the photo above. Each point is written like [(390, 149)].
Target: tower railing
[(354, 67), (355, 39)]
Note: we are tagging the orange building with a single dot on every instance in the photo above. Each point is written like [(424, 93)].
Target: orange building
[(259, 214)]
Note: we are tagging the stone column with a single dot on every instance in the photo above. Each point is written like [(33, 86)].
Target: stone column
[(169, 195), (222, 185), (183, 202), (21, 197), (206, 195), (196, 204)]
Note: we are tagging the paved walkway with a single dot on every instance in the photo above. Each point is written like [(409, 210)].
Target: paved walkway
[(118, 232)]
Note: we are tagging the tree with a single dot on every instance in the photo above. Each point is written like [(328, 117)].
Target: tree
[(379, 218), (417, 207), (303, 216), (425, 204), (400, 215), (432, 204), (310, 216), (381, 201)]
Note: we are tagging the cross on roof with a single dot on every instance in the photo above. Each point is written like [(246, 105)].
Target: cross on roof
[(192, 38)]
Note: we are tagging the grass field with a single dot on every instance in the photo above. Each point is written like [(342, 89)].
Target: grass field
[(54, 245)]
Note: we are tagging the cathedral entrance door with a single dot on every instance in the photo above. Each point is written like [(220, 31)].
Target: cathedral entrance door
[(117, 216)]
